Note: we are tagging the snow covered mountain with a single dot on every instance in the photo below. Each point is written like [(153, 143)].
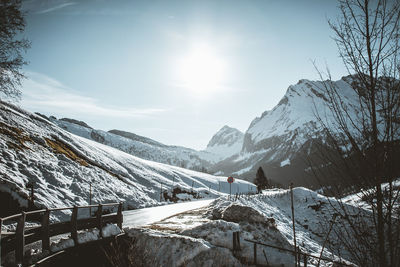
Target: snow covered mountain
[(226, 142), (281, 139), (61, 166), (141, 146)]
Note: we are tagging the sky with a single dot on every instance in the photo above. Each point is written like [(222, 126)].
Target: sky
[(173, 71)]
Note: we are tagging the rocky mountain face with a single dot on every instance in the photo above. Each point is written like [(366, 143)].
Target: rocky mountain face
[(226, 142), (283, 140)]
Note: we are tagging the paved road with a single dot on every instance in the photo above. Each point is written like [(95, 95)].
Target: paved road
[(146, 216)]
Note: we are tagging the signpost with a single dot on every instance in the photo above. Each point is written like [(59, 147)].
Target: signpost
[(230, 181)]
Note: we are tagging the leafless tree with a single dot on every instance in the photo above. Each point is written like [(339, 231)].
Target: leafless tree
[(12, 23), (366, 136)]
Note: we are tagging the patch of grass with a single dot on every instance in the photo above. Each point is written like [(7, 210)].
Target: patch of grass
[(61, 148), (18, 136), (161, 228)]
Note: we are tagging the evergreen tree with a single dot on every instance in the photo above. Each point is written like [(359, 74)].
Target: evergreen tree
[(261, 180)]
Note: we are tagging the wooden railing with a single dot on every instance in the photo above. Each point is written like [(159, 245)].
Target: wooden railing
[(16, 241)]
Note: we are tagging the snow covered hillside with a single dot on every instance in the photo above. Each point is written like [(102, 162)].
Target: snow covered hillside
[(225, 143), (140, 146), (281, 138), (61, 165), (205, 235)]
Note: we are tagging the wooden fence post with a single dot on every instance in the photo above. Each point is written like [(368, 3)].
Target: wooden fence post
[(119, 216), (45, 230), (255, 253), (305, 260), (298, 256), (74, 225), (293, 221), (234, 241), (20, 239), (100, 218), (1, 226), (238, 240)]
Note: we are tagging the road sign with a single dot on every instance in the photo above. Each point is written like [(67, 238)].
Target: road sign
[(230, 179)]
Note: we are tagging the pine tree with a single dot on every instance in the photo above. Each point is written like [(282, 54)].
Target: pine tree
[(261, 180)]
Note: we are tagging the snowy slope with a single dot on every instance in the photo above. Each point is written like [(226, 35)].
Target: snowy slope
[(226, 142), (62, 164)]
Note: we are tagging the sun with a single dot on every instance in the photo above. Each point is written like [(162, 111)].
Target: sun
[(201, 71)]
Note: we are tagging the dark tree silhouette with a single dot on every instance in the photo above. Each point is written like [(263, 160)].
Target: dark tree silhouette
[(261, 180), (12, 23)]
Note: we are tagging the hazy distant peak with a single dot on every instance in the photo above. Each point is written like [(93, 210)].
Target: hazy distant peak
[(136, 137), (225, 136), (77, 122)]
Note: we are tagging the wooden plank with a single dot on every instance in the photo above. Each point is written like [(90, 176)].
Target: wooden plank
[(111, 204), (15, 216), (87, 223), (45, 233), (20, 240), (60, 228), (74, 225), (33, 236), (34, 212)]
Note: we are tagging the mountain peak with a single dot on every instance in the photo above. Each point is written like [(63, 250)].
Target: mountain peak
[(226, 135), (227, 128), (77, 122), (226, 142)]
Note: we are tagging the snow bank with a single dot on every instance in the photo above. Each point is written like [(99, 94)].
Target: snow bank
[(110, 230), (163, 249), (84, 236), (265, 218)]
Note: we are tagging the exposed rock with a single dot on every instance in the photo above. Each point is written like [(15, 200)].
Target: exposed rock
[(238, 213)]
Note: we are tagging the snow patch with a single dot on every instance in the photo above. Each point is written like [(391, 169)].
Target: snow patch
[(285, 162)]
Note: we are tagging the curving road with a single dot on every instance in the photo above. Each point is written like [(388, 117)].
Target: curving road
[(140, 217)]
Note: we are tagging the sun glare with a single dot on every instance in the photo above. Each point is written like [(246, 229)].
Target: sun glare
[(201, 70)]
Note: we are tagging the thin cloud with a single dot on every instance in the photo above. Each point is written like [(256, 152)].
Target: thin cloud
[(51, 9), (44, 94), (43, 7)]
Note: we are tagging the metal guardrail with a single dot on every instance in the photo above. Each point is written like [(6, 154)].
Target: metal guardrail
[(16, 241)]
